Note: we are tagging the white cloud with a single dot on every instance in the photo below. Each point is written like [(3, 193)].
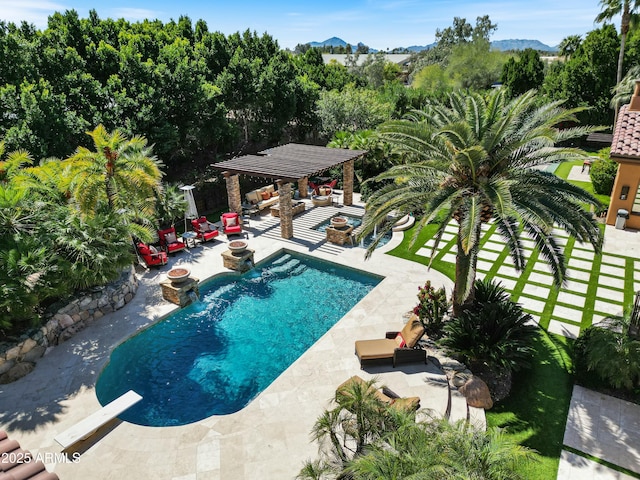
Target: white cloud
[(31, 11)]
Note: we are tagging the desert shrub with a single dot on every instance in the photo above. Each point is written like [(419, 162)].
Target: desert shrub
[(608, 351), (603, 173)]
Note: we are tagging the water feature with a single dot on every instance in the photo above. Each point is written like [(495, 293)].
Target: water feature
[(356, 222)]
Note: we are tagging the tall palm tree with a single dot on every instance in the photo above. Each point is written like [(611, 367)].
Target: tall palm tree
[(121, 173), (612, 8), (476, 159)]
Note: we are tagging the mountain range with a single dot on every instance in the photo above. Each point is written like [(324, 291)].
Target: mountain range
[(513, 44)]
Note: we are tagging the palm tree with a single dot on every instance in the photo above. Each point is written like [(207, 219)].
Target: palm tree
[(612, 8), (569, 45), (475, 160), (121, 173), (623, 91)]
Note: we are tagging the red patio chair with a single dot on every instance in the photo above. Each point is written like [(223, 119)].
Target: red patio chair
[(204, 229), (231, 223), (150, 255), (169, 241)]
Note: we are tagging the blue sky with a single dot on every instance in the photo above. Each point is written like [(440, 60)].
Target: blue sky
[(381, 24)]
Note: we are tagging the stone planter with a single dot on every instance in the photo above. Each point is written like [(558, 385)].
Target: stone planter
[(178, 274), (338, 222), (238, 246)]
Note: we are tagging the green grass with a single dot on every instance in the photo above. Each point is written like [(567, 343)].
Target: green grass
[(535, 413)]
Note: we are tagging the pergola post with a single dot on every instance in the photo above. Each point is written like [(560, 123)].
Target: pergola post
[(303, 187), (347, 181), (286, 215), (233, 192)]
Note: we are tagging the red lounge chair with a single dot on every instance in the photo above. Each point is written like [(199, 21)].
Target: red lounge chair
[(314, 187), (231, 223), (332, 184), (150, 255), (204, 229), (169, 241)]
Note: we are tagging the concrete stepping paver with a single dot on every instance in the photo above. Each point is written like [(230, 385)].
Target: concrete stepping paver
[(612, 270), (604, 293), (575, 467), (531, 304), (611, 260), (608, 281), (607, 307), (567, 313), (535, 290), (571, 299), (605, 427), (565, 329)]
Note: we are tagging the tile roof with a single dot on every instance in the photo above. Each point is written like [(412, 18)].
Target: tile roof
[(626, 137)]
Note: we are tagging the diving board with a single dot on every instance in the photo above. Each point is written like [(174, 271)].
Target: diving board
[(93, 422)]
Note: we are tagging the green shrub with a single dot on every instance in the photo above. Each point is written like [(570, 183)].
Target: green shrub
[(496, 333), (608, 351), (603, 173)]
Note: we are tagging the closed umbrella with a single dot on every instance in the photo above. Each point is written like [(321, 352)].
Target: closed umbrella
[(192, 211)]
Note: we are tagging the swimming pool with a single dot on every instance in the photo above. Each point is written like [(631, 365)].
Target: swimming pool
[(215, 356), (356, 222)]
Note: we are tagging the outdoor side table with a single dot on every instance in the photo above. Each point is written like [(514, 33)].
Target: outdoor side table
[(189, 239)]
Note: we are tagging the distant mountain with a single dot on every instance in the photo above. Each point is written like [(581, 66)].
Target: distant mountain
[(521, 45), (514, 44), (418, 48), (330, 42)]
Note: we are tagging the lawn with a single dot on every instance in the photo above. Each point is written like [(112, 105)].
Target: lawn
[(535, 413)]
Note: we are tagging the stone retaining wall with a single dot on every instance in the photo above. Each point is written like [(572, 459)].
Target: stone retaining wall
[(18, 359)]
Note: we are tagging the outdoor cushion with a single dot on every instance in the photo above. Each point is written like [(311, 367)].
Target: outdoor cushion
[(153, 249), (400, 341), (230, 222), (170, 237), (265, 195), (253, 197), (412, 331)]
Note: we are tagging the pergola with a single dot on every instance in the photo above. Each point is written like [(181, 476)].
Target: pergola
[(285, 164)]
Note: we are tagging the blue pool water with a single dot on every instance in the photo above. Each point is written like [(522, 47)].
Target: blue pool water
[(356, 222), (215, 356)]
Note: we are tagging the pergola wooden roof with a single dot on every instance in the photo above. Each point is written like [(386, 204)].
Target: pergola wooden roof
[(289, 162)]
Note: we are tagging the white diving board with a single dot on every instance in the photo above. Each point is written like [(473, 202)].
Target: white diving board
[(93, 422)]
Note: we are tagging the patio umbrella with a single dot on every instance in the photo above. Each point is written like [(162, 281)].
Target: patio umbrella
[(477, 393), (192, 211)]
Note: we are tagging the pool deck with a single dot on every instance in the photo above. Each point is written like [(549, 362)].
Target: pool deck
[(268, 439)]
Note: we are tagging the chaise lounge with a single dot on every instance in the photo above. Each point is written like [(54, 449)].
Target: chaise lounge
[(400, 347), (386, 396)]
